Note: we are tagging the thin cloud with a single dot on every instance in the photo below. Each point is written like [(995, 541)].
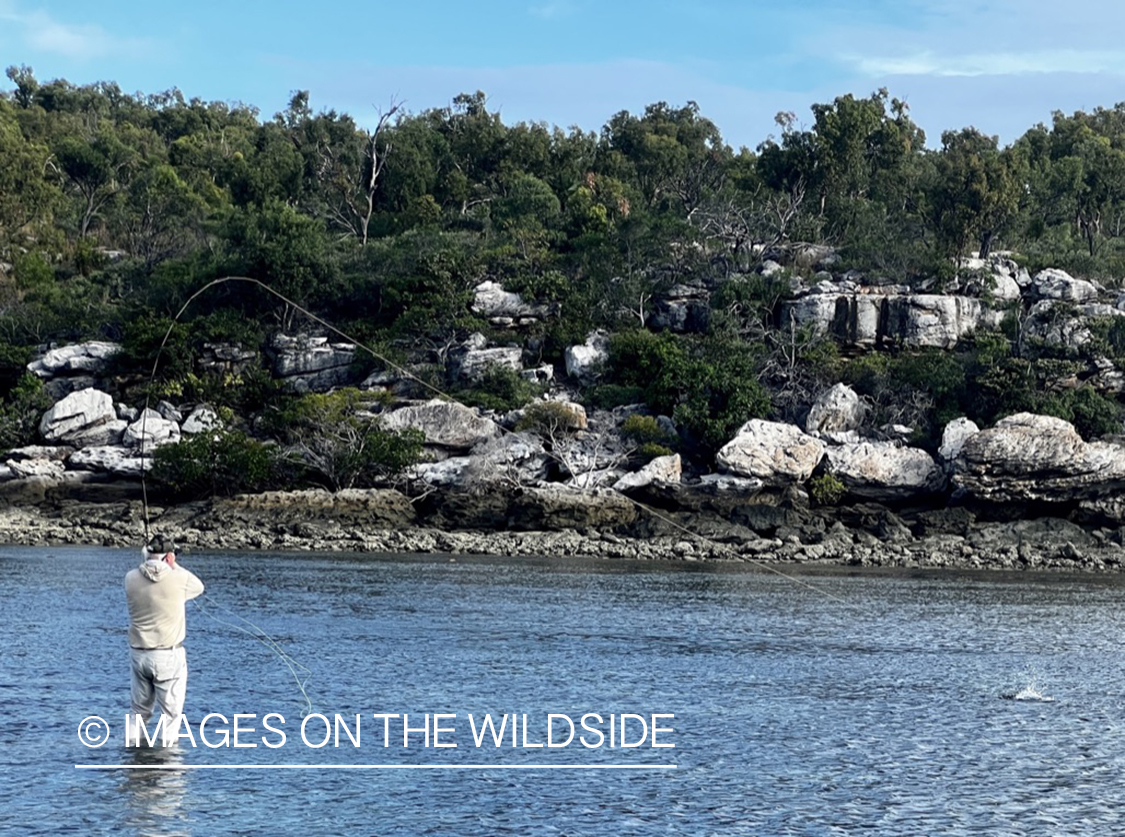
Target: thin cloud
[(552, 10), (39, 31), (992, 64)]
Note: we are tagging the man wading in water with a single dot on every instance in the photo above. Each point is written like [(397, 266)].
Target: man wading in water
[(157, 591)]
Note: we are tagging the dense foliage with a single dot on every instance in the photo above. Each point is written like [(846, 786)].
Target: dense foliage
[(116, 207)]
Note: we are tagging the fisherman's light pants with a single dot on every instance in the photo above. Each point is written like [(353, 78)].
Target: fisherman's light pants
[(159, 676)]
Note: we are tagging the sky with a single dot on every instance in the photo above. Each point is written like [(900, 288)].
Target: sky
[(999, 65)]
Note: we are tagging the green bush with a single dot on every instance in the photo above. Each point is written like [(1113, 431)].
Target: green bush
[(549, 419), (650, 450), (500, 389), (21, 411), (219, 463), (646, 430), (341, 446), (827, 489)]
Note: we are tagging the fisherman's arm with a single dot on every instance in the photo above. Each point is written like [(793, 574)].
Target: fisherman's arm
[(192, 585)]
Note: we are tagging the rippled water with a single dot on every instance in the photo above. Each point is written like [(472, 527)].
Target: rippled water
[(922, 705)]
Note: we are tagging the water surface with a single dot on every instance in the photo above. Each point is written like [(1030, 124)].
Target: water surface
[(893, 712)]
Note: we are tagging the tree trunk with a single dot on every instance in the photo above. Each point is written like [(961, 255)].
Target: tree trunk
[(985, 243)]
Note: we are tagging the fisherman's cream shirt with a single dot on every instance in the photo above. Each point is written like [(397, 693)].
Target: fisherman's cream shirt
[(156, 594)]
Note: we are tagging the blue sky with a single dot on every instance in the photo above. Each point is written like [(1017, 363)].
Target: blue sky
[(1001, 65)]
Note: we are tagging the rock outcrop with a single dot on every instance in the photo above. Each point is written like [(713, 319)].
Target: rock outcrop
[(112, 459), (1053, 283), (505, 308), (78, 359), (77, 414), (870, 318), (1028, 457), (584, 362), (953, 439), (308, 363), (662, 469), (477, 363), (445, 423), (776, 453), (151, 430), (884, 471), (837, 414)]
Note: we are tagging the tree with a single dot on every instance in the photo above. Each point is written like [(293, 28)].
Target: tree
[(974, 192)]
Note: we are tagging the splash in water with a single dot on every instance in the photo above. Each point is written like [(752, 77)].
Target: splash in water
[(1029, 692)]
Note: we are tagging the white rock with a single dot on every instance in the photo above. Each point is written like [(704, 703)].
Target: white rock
[(1028, 457), (728, 483), (113, 459), (109, 433), (491, 300), (78, 411), (836, 410), (201, 418), (884, 470), (662, 469), (126, 413), (953, 438), (153, 429), (477, 363), (51, 468), (1053, 283), (59, 452), (1004, 287), (776, 453), (80, 357), (444, 423), (539, 374), (584, 362)]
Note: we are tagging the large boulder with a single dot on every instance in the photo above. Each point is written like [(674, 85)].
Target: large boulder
[(78, 359), (80, 411), (513, 459), (1053, 283), (444, 423), (113, 459), (584, 362), (837, 411), (109, 433), (477, 363), (202, 418), (953, 439), (492, 301), (931, 319), (662, 469), (776, 453), (150, 431), (1028, 457), (884, 471), (683, 308), (309, 363)]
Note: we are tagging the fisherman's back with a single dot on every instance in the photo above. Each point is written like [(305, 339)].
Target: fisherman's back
[(156, 599)]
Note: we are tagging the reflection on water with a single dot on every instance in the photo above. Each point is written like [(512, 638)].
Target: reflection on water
[(154, 798), (794, 714)]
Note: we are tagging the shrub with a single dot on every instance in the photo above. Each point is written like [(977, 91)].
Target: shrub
[(218, 463), (645, 430), (549, 419), (20, 413), (827, 489), (650, 450), (343, 447), (500, 389)]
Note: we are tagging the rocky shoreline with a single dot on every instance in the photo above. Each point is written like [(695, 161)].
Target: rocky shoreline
[(385, 521)]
